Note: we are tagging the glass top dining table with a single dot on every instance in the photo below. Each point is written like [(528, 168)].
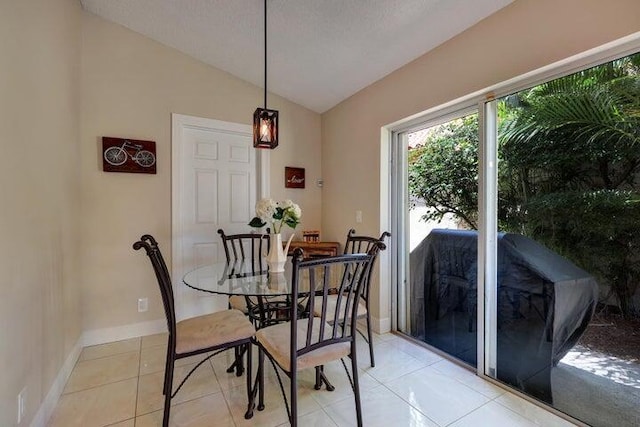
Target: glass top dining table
[(239, 279), (267, 295)]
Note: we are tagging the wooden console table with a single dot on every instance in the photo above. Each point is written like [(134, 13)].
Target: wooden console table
[(316, 249)]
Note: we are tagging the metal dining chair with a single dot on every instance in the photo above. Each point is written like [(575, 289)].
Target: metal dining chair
[(247, 248), (361, 244), (211, 333), (245, 252), (307, 341)]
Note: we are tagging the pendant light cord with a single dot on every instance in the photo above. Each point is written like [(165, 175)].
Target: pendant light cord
[(265, 54)]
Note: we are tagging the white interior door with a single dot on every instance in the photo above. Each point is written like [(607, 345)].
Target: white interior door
[(216, 177)]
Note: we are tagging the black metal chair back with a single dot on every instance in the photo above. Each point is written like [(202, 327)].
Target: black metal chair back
[(363, 244), (164, 281), (246, 251), (359, 244), (354, 271)]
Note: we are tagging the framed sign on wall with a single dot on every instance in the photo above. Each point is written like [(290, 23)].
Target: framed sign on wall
[(128, 155), (293, 177)]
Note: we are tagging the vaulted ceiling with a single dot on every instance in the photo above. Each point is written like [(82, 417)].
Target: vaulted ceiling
[(320, 52)]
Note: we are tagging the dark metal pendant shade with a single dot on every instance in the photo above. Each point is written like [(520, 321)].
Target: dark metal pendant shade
[(265, 121), (265, 128)]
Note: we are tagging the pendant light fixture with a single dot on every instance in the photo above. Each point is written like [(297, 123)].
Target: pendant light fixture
[(265, 121)]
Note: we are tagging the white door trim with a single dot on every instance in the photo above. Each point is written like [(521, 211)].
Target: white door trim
[(178, 123)]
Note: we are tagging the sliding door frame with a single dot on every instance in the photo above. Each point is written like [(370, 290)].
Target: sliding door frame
[(399, 200)]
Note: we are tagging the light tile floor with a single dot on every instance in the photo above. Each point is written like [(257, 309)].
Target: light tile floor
[(119, 384)]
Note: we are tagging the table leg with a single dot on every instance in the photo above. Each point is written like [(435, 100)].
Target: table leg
[(322, 378), (237, 363)]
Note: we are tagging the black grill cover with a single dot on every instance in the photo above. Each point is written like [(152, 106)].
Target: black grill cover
[(544, 304)]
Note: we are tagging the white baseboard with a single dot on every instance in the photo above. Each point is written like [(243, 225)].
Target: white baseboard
[(49, 403), (381, 326), (119, 333)]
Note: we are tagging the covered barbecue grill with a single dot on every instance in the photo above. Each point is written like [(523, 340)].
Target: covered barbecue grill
[(545, 303)]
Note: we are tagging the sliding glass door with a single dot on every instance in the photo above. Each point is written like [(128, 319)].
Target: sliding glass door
[(520, 232), (441, 169), (567, 267)]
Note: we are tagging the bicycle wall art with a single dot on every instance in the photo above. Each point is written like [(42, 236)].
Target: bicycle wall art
[(128, 155)]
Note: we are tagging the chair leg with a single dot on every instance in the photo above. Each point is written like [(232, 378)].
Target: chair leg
[(167, 366), (232, 367), (239, 359), (356, 383), (260, 379), (250, 396), (373, 363), (294, 397), (318, 384), (168, 385)]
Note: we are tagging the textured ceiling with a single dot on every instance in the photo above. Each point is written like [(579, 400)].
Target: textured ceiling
[(320, 52)]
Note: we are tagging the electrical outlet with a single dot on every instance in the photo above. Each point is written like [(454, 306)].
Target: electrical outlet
[(22, 405), (143, 304), (358, 217)]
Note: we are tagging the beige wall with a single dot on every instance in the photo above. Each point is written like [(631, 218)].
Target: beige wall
[(130, 87), (522, 37), (39, 193)]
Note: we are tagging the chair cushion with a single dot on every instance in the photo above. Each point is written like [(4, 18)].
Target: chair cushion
[(238, 302), (332, 301), (212, 330), (276, 341)]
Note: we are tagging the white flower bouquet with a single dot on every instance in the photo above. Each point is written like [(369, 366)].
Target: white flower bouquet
[(276, 214)]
